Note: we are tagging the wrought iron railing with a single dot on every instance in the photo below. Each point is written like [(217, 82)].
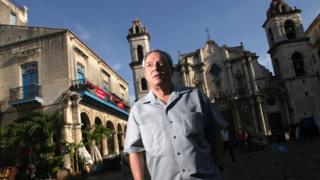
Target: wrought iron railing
[(81, 85), (25, 92)]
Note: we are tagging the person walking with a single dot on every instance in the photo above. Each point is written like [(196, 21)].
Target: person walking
[(227, 143), (176, 127)]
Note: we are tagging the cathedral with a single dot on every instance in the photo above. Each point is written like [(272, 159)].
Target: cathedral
[(247, 94)]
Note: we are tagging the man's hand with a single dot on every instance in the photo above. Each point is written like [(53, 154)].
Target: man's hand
[(137, 165)]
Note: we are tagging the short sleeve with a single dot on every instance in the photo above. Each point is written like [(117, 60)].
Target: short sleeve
[(214, 118), (133, 141)]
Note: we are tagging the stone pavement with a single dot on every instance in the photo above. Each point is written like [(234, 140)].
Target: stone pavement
[(293, 160)]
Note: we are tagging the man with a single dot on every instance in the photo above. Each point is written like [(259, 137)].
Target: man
[(175, 127), (227, 143)]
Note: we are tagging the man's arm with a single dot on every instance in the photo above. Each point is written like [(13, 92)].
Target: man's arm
[(137, 165)]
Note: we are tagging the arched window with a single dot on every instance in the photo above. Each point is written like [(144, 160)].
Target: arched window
[(270, 34), (298, 65), (289, 29), (144, 84), (282, 8), (140, 53), (137, 29)]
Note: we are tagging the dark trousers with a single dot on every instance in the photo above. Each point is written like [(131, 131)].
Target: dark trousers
[(227, 146)]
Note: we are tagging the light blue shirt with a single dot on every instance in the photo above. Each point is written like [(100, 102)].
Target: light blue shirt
[(175, 136)]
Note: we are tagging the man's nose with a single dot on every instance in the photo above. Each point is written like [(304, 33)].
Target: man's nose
[(156, 65)]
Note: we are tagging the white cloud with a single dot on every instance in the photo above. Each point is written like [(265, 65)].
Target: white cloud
[(117, 66), (83, 32), (266, 62)]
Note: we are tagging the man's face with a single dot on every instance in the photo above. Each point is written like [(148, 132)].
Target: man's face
[(157, 70)]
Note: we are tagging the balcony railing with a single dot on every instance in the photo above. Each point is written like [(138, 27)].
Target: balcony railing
[(83, 85), (25, 94)]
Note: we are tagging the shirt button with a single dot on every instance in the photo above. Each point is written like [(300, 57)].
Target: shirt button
[(174, 137), (171, 122), (178, 153), (183, 170)]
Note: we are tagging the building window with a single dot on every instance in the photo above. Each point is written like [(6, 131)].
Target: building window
[(106, 81), (13, 19), (270, 34), (29, 79), (298, 65), (80, 71), (289, 29), (140, 53), (144, 84), (122, 92)]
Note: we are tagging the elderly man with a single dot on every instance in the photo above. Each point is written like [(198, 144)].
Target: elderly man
[(175, 126)]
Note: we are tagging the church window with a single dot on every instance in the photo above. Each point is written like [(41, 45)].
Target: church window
[(306, 93), (137, 29), (215, 70), (270, 34), (144, 84), (271, 101), (298, 65), (289, 29), (140, 53), (282, 8)]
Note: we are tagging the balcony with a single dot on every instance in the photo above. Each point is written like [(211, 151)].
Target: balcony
[(93, 95), (25, 95)]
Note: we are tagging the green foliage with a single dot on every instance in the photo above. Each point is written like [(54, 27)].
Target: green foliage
[(96, 134), (34, 133)]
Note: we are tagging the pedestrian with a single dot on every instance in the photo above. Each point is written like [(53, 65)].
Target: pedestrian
[(243, 144), (174, 126), (227, 143)]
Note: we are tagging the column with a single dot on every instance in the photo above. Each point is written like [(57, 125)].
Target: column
[(244, 64), (104, 144), (116, 143), (233, 91), (253, 75)]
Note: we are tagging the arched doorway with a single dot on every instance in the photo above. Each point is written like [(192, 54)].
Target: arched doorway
[(120, 137), (110, 140), (98, 122), (85, 128)]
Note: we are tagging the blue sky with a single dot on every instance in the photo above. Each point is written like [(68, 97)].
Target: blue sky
[(174, 25)]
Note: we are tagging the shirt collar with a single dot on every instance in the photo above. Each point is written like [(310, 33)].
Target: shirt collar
[(176, 92)]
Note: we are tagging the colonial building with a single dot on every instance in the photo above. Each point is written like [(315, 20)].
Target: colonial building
[(248, 95), (53, 70)]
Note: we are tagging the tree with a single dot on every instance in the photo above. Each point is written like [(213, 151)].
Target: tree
[(32, 139)]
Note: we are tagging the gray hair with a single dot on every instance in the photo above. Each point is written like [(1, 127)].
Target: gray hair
[(163, 54)]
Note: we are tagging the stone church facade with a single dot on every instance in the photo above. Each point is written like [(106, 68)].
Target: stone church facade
[(247, 93)]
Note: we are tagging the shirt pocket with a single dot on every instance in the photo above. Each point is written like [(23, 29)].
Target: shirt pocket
[(152, 136), (192, 123)]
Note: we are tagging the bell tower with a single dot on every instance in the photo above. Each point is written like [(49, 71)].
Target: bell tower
[(139, 40), (292, 62)]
